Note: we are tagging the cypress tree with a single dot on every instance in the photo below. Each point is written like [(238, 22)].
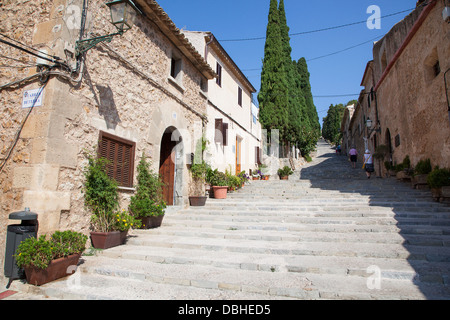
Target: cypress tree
[(305, 86), (296, 102), (273, 95)]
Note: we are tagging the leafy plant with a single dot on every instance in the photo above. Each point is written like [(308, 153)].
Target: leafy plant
[(100, 192), (439, 178), (124, 222), (40, 252), (423, 167), (148, 200), (285, 171), (216, 178), (234, 182)]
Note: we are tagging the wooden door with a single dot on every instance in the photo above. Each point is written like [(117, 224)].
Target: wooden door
[(167, 167), (238, 155)]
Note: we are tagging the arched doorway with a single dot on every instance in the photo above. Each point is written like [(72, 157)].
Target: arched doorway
[(170, 166)]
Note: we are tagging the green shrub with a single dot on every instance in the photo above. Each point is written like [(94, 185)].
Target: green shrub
[(216, 178), (439, 178), (423, 167), (285, 171), (40, 252), (148, 199)]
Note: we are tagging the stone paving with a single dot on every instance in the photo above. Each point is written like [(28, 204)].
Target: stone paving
[(327, 233)]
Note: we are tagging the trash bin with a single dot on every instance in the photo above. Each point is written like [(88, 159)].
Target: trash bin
[(16, 233)]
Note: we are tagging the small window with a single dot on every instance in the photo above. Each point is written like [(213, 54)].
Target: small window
[(432, 66), (219, 74), (175, 68), (240, 96), (120, 154), (221, 132)]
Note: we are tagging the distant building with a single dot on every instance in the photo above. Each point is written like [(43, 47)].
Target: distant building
[(233, 129), (406, 92)]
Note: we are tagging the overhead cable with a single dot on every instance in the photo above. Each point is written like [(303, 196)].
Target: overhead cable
[(318, 30)]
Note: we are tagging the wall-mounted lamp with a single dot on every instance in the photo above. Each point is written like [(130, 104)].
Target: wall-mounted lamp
[(123, 15), (369, 124)]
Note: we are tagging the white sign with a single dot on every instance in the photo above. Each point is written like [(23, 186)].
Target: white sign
[(32, 98)]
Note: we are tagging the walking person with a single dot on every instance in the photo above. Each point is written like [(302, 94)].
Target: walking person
[(353, 153), (368, 163)]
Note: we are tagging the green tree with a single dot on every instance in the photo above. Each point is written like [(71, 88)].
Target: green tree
[(305, 86), (273, 95), (297, 119), (332, 123)]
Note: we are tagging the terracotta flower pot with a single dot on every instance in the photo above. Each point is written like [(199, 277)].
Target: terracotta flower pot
[(57, 269), (106, 240), (151, 222), (220, 192), (284, 178), (199, 201)]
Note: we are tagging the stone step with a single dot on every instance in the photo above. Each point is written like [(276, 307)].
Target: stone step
[(277, 260), (374, 213), (319, 248), (307, 236), (107, 278), (326, 226)]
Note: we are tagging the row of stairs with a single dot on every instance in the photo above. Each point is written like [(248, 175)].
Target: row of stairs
[(326, 233)]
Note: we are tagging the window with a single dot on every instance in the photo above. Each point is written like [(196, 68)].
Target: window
[(258, 155), (221, 132), (120, 153), (240, 96), (175, 68), (219, 74), (432, 66)]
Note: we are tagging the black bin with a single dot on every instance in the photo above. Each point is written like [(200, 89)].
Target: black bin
[(16, 233)]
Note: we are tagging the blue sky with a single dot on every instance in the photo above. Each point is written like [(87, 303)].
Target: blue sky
[(334, 75)]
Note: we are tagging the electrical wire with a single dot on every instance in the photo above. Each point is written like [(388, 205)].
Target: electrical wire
[(29, 47), (17, 136), (320, 30), (34, 54)]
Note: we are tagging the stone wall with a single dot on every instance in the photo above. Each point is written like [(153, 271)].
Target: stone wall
[(124, 89), (411, 100)]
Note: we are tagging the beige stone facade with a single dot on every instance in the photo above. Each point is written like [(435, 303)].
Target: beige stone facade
[(230, 101), (406, 80), (124, 88)]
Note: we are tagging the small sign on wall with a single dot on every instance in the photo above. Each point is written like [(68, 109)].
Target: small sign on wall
[(32, 98)]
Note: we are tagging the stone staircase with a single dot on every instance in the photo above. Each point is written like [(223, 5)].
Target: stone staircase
[(327, 233)]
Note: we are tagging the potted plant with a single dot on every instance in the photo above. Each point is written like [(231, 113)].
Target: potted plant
[(198, 171), (404, 170), (234, 182), (256, 175), (262, 168), (439, 182), (102, 199), (147, 204), (285, 172), (421, 171), (48, 260), (219, 183), (244, 177)]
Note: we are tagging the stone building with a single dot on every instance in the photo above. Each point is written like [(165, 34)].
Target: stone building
[(141, 93), (347, 141), (233, 126), (406, 91)]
